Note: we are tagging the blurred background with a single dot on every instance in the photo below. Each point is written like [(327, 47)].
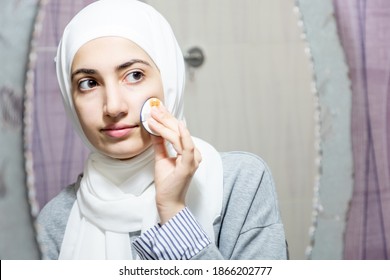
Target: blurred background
[(302, 83)]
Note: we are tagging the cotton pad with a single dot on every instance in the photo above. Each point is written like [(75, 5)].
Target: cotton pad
[(146, 112)]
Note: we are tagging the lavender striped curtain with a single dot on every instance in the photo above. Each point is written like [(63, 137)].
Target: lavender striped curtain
[(58, 154), (364, 31)]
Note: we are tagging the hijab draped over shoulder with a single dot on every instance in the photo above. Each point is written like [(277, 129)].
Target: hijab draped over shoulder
[(118, 197)]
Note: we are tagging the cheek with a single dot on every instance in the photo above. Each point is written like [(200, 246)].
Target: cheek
[(151, 90), (157, 90), (160, 90), (86, 124), (86, 113)]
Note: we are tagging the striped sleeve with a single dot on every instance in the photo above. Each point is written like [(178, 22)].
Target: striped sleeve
[(180, 238)]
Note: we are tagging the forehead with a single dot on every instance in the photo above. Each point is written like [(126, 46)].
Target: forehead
[(106, 51)]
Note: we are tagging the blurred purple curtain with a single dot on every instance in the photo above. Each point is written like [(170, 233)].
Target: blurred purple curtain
[(364, 29), (58, 153)]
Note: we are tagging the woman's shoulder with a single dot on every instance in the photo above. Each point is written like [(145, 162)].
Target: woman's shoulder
[(244, 164), (243, 156), (59, 206), (64, 199), (249, 187), (52, 220)]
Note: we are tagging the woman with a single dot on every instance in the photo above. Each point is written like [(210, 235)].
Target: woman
[(142, 196)]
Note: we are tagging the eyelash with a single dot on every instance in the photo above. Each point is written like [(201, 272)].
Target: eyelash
[(138, 72), (88, 81)]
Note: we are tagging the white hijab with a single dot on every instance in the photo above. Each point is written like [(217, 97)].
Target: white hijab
[(117, 197)]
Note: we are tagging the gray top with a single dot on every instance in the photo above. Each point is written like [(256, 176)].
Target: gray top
[(250, 225)]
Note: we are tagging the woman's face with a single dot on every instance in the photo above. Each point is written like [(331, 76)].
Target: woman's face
[(111, 79)]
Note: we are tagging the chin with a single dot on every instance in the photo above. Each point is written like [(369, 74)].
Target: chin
[(121, 155), (122, 151)]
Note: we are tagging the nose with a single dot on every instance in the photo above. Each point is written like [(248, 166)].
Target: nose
[(115, 105)]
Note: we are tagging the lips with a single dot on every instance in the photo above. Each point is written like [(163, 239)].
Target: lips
[(118, 130)]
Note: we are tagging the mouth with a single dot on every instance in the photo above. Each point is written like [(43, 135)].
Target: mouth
[(118, 131)]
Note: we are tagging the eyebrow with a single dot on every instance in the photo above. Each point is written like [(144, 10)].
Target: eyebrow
[(83, 71), (130, 63), (118, 68)]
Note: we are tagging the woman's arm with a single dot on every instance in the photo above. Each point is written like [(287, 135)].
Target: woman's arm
[(250, 226)]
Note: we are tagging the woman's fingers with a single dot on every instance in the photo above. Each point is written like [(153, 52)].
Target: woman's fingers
[(190, 155), (160, 150), (166, 133), (164, 117), (175, 132), (167, 126)]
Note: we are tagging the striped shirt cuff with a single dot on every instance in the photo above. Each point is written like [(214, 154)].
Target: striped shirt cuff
[(180, 238)]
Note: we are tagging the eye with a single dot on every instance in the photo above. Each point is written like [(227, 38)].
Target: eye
[(134, 77), (87, 84)]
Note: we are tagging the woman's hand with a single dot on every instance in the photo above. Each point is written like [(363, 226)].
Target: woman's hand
[(172, 174)]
